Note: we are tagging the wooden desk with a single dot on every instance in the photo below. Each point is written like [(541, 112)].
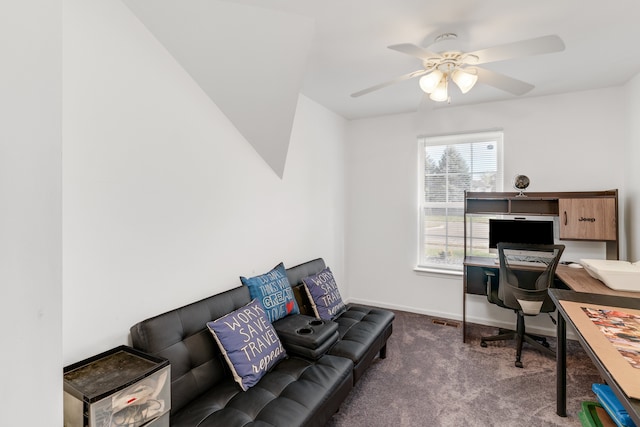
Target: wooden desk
[(577, 279), (631, 405)]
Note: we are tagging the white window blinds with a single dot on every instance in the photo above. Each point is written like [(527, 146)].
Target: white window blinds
[(449, 165)]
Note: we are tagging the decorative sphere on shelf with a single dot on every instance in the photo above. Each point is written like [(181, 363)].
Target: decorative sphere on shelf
[(521, 182)]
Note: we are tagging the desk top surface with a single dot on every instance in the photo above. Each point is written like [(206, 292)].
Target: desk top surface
[(592, 298), (575, 278), (631, 405), (580, 281)]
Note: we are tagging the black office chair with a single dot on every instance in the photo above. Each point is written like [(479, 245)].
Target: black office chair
[(522, 287)]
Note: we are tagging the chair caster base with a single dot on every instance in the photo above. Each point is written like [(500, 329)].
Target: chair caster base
[(483, 344), (519, 364)]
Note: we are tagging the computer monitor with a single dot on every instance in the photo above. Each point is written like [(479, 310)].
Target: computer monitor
[(520, 231)]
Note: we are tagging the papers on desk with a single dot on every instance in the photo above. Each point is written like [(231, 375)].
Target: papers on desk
[(604, 330), (617, 275)]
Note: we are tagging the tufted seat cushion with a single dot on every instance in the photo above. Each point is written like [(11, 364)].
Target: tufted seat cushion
[(363, 332), (289, 395)]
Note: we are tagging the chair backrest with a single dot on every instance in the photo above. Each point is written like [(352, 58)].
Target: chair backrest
[(526, 272)]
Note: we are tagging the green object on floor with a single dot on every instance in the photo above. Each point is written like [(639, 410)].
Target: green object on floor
[(591, 413)]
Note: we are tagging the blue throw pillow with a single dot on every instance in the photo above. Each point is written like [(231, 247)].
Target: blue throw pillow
[(248, 342), (324, 295), (273, 290)]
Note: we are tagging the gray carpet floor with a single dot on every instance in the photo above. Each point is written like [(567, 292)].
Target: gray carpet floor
[(431, 378)]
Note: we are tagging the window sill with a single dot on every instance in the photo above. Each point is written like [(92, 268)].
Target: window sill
[(439, 271)]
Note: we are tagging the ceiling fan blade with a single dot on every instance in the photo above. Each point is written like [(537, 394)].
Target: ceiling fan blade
[(537, 46), (502, 82), (389, 83), (413, 50)]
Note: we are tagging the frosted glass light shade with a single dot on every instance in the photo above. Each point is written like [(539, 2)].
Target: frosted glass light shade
[(429, 82), (440, 93), (464, 80)]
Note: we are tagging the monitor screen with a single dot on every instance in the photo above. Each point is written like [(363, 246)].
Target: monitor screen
[(520, 231)]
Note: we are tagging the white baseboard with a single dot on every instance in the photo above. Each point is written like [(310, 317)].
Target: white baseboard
[(408, 309), (550, 332)]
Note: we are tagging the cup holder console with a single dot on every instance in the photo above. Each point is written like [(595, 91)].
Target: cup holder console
[(309, 330), (306, 336)]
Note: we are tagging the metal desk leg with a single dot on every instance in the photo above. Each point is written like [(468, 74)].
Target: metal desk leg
[(561, 367), (464, 304)]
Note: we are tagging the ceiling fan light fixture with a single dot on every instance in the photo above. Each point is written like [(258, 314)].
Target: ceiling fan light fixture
[(440, 93), (462, 67), (429, 82), (464, 80)]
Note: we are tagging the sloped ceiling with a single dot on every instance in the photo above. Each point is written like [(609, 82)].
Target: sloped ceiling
[(253, 57), (250, 61)]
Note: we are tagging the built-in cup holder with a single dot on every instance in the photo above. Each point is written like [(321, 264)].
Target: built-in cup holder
[(304, 331), (316, 322)]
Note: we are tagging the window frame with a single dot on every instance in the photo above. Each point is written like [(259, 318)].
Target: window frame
[(451, 139)]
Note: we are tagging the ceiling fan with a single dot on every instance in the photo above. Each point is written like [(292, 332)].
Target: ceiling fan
[(438, 69)]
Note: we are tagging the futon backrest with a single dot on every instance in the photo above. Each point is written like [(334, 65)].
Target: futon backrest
[(295, 275), (182, 337)]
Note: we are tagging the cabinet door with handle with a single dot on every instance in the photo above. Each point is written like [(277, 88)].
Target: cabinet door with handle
[(588, 219)]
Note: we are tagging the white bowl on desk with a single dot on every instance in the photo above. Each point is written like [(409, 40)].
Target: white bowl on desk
[(617, 275)]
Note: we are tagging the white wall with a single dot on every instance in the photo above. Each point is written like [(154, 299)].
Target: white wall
[(30, 214), (570, 142), (164, 202), (632, 174)]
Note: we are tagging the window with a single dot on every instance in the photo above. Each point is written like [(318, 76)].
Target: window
[(449, 165)]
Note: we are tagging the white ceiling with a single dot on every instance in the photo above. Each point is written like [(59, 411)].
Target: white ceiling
[(347, 47), (349, 51)]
